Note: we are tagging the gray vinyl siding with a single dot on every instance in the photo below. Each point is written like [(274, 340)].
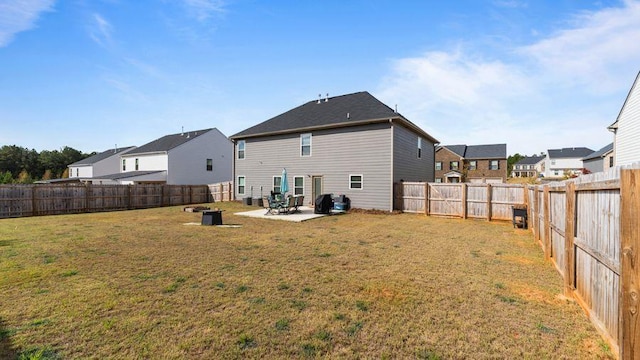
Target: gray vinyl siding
[(335, 154), (187, 162), (627, 146), (407, 166), (594, 165)]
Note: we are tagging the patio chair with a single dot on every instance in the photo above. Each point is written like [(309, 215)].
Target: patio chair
[(286, 206), (270, 205), (299, 202)]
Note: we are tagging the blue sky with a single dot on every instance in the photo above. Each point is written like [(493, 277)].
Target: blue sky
[(533, 74)]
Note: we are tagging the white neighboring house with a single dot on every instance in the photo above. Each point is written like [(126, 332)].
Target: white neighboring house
[(104, 163), (528, 166), (626, 128), (187, 158), (565, 161)]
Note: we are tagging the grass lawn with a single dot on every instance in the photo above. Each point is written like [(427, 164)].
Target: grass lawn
[(142, 284)]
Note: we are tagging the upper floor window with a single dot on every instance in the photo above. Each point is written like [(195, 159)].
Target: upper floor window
[(494, 164), (305, 145), (473, 165), (355, 182), (298, 185), (209, 164), (77, 172), (241, 146), (137, 164), (438, 165), (611, 161), (124, 165), (419, 148), (453, 165)]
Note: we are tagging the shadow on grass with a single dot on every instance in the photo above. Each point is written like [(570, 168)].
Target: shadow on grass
[(7, 351)]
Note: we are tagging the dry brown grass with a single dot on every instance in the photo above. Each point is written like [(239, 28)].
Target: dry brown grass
[(141, 284)]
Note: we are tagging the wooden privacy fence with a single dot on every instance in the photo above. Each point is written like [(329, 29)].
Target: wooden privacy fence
[(33, 200), (480, 201), (588, 227), (222, 191)]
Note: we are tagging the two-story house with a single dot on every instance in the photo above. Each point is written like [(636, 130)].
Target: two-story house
[(471, 163), (528, 166), (626, 128), (600, 160), (187, 158), (100, 164), (560, 163), (351, 144)]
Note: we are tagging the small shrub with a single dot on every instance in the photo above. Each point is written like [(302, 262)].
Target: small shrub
[(242, 288), (507, 299), (282, 324), (259, 300), (37, 353), (540, 326), (307, 290), (361, 305), (220, 285), (246, 341)]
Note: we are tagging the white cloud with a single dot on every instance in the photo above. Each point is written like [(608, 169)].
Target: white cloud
[(19, 16), (203, 10), (101, 30), (561, 91)]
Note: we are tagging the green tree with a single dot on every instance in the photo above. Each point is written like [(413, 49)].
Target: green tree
[(511, 160), (6, 178)]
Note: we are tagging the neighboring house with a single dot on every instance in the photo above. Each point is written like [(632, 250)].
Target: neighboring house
[(471, 163), (104, 163), (528, 166), (351, 144), (187, 158), (564, 162), (626, 128), (600, 160)]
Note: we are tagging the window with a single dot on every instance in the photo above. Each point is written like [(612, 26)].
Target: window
[(473, 165), (438, 180), (355, 181), (209, 164), (305, 145), (556, 173), (298, 185), (438, 165), (241, 146), (419, 148), (553, 162), (124, 165), (137, 164), (611, 161), (494, 164), (241, 185), (277, 184), (77, 172), (453, 165)]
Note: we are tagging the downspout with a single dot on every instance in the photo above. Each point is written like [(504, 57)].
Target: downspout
[(392, 166), (233, 170)]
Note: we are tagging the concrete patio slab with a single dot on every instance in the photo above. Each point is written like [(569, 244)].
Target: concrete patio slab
[(305, 213)]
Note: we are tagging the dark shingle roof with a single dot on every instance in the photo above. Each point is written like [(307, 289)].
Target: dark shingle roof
[(530, 160), (168, 142), (564, 153), (101, 156), (336, 111), (599, 153), (490, 151)]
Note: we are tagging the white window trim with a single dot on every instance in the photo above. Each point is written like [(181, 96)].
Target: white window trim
[(436, 165), (475, 166), (244, 150), (491, 164), (361, 182), (206, 166), (294, 184), (273, 183), (310, 144), (238, 185), (419, 148)]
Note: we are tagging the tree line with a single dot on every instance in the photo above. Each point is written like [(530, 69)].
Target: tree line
[(19, 165)]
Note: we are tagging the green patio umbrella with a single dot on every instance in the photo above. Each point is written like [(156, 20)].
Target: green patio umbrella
[(284, 187)]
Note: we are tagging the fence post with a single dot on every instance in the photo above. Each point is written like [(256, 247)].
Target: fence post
[(569, 235), (536, 214), (426, 198), (546, 198), (231, 192), (129, 204), (464, 200), (489, 195), (630, 269), (34, 202), (87, 196)]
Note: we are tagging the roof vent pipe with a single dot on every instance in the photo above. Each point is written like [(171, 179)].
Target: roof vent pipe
[(115, 151), (396, 109), (319, 98), (348, 116), (327, 98), (182, 131)]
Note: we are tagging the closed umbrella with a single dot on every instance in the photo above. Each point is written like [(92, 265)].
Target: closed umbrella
[(284, 187)]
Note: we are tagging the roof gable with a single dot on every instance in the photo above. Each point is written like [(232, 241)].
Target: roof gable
[(343, 110), (168, 142), (101, 156), (600, 153), (566, 153), (614, 126)]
